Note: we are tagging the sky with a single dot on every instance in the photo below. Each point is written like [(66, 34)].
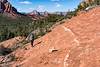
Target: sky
[(44, 5)]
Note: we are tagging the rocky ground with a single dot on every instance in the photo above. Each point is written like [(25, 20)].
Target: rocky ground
[(74, 43)]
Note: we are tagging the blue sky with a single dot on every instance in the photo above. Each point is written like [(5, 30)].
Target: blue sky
[(44, 5)]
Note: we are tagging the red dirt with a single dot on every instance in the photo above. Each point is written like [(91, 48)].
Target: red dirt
[(76, 43), (13, 41)]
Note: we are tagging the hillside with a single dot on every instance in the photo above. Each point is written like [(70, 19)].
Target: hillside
[(74, 43), (10, 28)]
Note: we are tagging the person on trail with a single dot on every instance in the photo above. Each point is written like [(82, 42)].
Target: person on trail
[(31, 38)]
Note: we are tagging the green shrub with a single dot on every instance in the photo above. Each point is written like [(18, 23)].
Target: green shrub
[(22, 26), (4, 51)]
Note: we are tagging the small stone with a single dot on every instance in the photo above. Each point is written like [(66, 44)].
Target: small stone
[(52, 50)]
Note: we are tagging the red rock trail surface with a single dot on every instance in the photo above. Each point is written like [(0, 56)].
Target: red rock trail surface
[(72, 44), (11, 42)]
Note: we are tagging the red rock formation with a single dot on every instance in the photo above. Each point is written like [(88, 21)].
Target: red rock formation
[(76, 44), (5, 6), (38, 15)]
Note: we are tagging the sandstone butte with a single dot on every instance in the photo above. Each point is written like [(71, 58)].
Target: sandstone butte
[(76, 43), (8, 10)]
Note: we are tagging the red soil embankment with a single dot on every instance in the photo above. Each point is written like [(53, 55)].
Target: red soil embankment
[(76, 44)]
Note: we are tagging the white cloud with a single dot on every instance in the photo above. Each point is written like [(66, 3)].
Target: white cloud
[(30, 9), (25, 10), (40, 8), (25, 2), (58, 5)]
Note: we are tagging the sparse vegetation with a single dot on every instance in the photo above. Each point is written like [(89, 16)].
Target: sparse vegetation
[(70, 14), (22, 26), (4, 51), (83, 5)]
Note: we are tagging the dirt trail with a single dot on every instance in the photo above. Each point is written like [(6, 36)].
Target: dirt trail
[(76, 43)]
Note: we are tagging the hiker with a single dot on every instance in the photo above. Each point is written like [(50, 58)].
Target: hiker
[(30, 37)]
